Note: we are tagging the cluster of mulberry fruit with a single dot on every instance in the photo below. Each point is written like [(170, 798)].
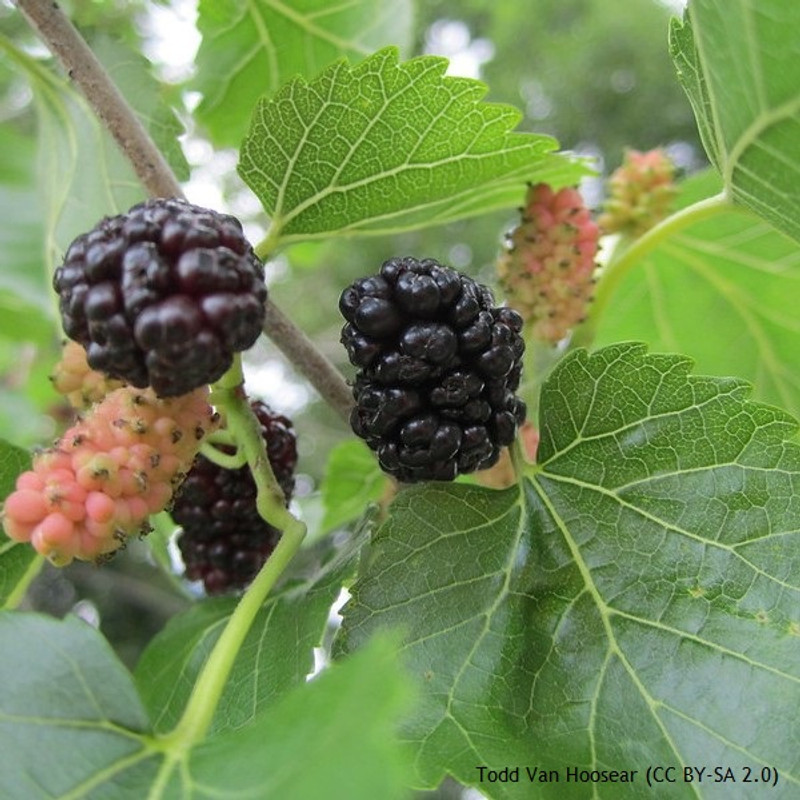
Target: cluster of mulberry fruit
[(224, 541), (162, 296), (641, 192), (438, 365), (107, 474), (547, 270)]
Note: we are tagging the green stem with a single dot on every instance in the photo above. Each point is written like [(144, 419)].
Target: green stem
[(225, 460), (265, 248), (208, 687), (229, 397), (629, 257), (220, 437)]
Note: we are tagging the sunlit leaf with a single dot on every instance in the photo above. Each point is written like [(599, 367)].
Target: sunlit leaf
[(739, 65), (725, 291), (252, 49), (630, 603), (385, 146)]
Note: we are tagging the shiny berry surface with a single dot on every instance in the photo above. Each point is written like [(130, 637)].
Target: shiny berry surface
[(163, 295), (438, 365)]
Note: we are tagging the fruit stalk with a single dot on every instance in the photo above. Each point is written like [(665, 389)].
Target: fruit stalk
[(242, 423), (229, 397)]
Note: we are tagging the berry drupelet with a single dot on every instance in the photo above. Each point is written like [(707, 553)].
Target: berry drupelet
[(224, 541), (438, 365), (162, 296)]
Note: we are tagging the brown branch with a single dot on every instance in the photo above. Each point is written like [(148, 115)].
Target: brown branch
[(64, 41), (302, 352)]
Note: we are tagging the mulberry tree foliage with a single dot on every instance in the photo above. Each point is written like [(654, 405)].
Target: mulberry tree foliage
[(629, 599)]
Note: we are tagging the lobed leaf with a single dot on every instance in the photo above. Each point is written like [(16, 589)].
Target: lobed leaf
[(72, 726), (738, 63), (386, 146), (252, 49), (731, 268), (634, 601), (334, 738)]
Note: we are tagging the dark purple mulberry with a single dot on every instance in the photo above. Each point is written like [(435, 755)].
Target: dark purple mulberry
[(224, 541), (438, 365), (162, 296)]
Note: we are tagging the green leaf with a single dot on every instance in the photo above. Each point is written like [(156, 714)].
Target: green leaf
[(26, 309), (72, 726), (633, 602), (18, 562), (276, 656), (333, 738), (731, 268), (738, 63), (251, 49), (384, 146), (70, 721), (352, 480), (81, 174)]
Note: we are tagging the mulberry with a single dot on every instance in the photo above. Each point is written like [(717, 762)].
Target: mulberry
[(547, 270), (162, 296), (107, 474), (224, 541), (438, 366), (640, 193)]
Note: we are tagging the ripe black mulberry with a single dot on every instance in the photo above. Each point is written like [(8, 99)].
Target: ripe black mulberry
[(224, 541), (162, 296), (438, 365)]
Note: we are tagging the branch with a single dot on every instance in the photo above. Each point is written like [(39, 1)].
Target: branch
[(64, 41), (306, 358)]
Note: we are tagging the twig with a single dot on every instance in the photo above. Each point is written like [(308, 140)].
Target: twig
[(305, 356), (112, 109)]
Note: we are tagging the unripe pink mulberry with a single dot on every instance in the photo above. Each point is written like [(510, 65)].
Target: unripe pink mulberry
[(77, 381), (640, 193), (107, 474), (547, 270)]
